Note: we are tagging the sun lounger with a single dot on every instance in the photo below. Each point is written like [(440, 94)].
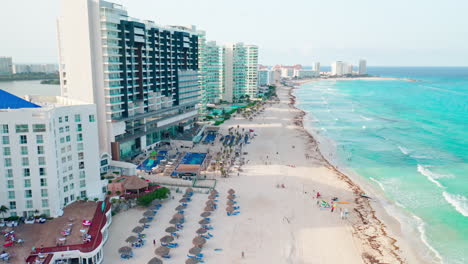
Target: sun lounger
[(166, 257)]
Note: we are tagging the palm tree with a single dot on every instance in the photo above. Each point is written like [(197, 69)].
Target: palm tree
[(3, 210)]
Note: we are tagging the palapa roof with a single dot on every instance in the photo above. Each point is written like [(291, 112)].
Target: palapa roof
[(193, 168)]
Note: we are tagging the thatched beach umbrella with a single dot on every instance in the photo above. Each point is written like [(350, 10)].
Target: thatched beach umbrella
[(210, 202), (180, 207), (171, 229), (138, 229), (155, 260), (201, 231), (188, 190), (155, 202), (175, 221), (214, 192), (231, 197), (230, 209), (195, 250), (209, 209), (178, 216), (131, 239), (186, 195), (125, 250), (205, 214), (192, 261), (212, 197), (148, 213), (231, 191), (144, 220), (229, 202), (199, 241), (162, 251), (203, 222), (166, 239), (183, 200)]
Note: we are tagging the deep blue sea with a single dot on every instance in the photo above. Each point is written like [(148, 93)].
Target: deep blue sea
[(409, 140)]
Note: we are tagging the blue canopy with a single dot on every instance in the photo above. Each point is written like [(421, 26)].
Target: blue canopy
[(11, 101)]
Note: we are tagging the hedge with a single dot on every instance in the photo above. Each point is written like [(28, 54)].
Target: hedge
[(161, 193)]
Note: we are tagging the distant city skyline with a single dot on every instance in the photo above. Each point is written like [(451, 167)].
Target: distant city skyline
[(398, 33)]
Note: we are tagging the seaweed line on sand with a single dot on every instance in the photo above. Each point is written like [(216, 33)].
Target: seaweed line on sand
[(379, 246)]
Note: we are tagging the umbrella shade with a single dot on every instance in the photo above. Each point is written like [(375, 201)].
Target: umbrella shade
[(210, 202), (231, 191), (178, 216), (148, 213), (231, 197), (230, 209), (125, 250), (166, 239), (205, 214), (171, 229), (162, 251), (175, 221), (180, 207), (155, 202), (186, 195), (195, 250), (229, 202), (214, 192), (189, 190), (144, 221), (155, 261), (131, 239), (199, 241), (201, 231), (209, 209), (212, 197), (138, 229), (203, 222), (192, 261), (183, 200)]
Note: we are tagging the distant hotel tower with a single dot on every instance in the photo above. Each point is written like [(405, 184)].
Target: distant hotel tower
[(362, 67), (143, 77)]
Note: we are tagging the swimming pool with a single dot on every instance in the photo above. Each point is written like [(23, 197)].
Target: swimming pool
[(193, 158), (151, 162)]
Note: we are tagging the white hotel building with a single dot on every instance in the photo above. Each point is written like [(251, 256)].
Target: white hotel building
[(49, 154)]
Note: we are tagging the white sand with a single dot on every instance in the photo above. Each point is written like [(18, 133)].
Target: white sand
[(275, 225)]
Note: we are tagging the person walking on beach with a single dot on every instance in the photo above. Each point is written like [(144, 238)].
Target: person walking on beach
[(318, 195), (154, 242), (333, 207), (243, 255)]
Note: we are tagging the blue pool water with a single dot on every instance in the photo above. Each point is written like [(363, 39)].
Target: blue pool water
[(193, 158), (149, 163), (407, 139)]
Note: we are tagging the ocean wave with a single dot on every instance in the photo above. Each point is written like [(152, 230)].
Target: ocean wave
[(432, 176), (459, 202), (378, 183), (404, 150), (422, 230), (366, 118)]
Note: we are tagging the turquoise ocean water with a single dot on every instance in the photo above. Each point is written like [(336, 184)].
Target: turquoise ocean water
[(409, 140)]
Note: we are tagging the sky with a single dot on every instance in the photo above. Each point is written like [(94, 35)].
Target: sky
[(385, 33)]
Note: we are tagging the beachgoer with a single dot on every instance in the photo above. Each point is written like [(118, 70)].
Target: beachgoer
[(318, 195), (333, 207), (345, 213), (154, 242), (243, 255)]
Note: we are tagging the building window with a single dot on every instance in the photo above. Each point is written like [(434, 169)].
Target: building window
[(60, 119), (23, 139), (27, 183), (82, 174), (65, 188), (62, 140), (40, 149), (68, 138), (82, 183), (42, 171), (43, 182), (22, 128), (29, 204), (39, 128), (27, 193), (79, 128), (64, 179), (6, 151), (69, 157), (60, 129), (26, 172), (69, 148), (72, 197), (25, 161), (45, 203), (11, 194), (66, 118), (41, 161), (47, 212), (81, 165), (12, 205), (64, 160), (77, 118), (39, 139), (10, 184), (9, 173), (7, 162), (91, 118), (5, 140), (80, 146), (65, 200), (79, 137), (83, 194), (80, 155), (70, 177), (72, 186), (67, 128), (24, 150), (5, 129), (44, 193)]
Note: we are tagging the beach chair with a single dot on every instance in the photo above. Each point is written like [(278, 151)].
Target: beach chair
[(146, 226), (236, 207), (236, 213), (166, 257), (205, 237), (209, 234), (228, 213), (207, 218)]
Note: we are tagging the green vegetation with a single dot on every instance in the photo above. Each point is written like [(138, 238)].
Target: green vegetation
[(29, 76), (3, 210), (51, 81), (218, 122), (161, 193)]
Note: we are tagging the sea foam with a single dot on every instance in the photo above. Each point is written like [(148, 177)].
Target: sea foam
[(459, 202), (404, 150), (432, 176), (421, 225)]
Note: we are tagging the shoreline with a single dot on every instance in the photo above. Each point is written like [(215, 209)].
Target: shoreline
[(369, 78), (375, 213)]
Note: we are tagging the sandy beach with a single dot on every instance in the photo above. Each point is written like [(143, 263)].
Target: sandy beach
[(275, 224)]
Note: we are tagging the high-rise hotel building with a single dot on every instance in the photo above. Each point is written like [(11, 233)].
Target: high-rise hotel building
[(143, 77)]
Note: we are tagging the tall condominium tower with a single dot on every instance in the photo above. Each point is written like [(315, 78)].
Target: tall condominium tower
[(142, 77), (240, 73), (210, 63), (317, 67), (362, 67), (6, 65)]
